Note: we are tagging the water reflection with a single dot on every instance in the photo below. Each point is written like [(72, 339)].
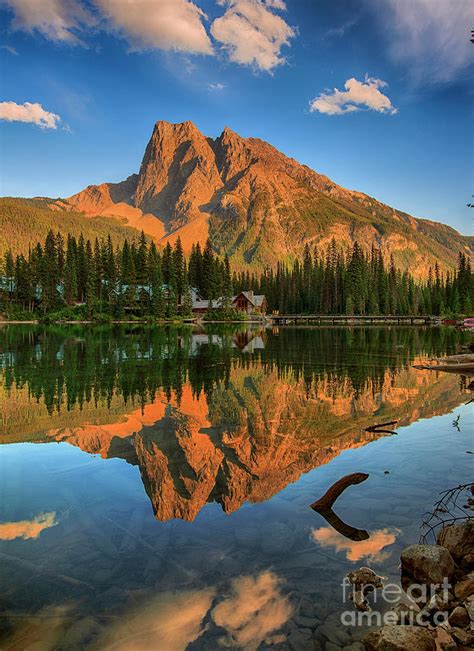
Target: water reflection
[(356, 550), (27, 529), (185, 462), (203, 420)]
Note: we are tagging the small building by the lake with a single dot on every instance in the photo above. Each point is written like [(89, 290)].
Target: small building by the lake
[(247, 302)]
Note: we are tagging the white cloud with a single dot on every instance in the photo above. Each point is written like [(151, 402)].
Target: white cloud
[(162, 24), (10, 49), (342, 29), (146, 24), (358, 95), (216, 86), (431, 36), (251, 33), (56, 20), (28, 112)]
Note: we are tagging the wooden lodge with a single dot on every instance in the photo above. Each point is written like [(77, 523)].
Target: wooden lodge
[(247, 302)]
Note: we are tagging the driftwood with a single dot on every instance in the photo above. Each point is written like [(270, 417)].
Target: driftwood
[(462, 364), (346, 530), (331, 495), (323, 506)]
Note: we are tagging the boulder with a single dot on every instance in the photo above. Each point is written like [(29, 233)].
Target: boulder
[(465, 588), (399, 638), (458, 540), (469, 606), (406, 613), (427, 563), (459, 617), (462, 637)]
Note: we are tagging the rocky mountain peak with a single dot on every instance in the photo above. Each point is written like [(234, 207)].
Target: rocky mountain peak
[(178, 173), (257, 204)]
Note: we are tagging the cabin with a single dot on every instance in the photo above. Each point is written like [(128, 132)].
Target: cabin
[(8, 288), (250, 303), (247, 302)]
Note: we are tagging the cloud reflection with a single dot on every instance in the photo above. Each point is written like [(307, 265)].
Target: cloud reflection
[(28, 529), (357, 549), (254, 610), (172, 621)]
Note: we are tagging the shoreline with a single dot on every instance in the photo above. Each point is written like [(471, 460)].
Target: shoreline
[(199, 322)]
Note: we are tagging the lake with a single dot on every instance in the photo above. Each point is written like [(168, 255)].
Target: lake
[(155, 482)]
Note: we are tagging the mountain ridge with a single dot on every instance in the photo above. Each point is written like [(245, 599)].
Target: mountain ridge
[(256, 204)]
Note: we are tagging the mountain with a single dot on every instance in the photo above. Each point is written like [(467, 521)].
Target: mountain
[(256, 204)]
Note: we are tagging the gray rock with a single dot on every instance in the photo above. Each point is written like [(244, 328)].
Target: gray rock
[(300, 639), (335, 634), (406, 613), (458, 539), (330, 646), (399, 638), (459, 617), (307, 622), (427, 563)]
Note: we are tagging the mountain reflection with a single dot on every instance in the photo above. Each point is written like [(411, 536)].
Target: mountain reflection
[(222, 416)]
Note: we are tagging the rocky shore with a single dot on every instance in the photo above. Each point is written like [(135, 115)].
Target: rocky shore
[(440, 581)]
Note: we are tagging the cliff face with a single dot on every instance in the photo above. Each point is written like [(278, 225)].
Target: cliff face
[(257, 204)]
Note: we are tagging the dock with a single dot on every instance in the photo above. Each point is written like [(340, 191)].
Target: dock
[(365, 319)]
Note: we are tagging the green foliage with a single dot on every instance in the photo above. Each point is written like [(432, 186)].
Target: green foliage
[(228, 314), (24, 222), (75, 313), (101, 317), (332, 281), (16, 313), (77, 279)]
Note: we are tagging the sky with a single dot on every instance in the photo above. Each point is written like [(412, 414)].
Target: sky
[(375, 94)]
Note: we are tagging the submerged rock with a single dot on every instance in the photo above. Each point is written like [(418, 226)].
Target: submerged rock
[(427, 563), (364, 581), (399, 638)]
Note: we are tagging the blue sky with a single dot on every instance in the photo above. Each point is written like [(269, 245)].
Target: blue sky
[(398, 127)]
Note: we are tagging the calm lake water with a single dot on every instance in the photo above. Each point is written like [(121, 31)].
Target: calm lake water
[(155, 482)]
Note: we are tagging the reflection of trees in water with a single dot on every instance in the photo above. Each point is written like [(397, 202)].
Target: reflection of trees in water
[(80, 365)]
